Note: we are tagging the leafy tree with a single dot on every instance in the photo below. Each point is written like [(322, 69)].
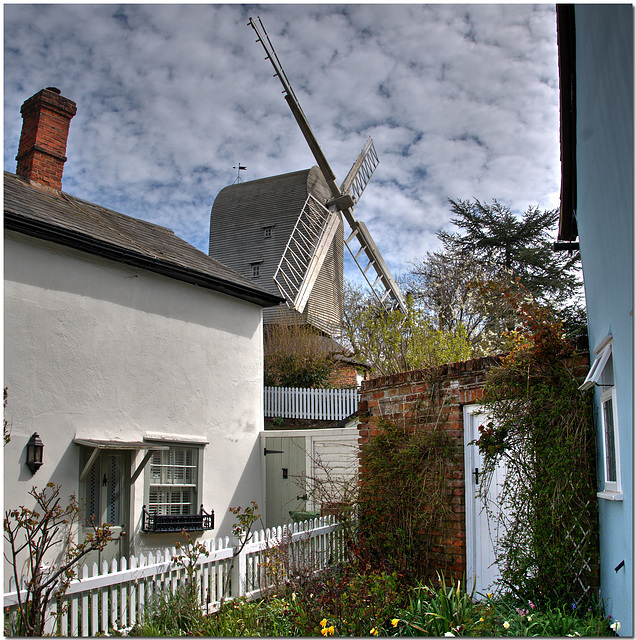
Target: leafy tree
[(496, 251), (391, 341), (297, 356)]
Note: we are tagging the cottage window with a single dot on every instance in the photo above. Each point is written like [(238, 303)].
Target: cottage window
[(173, 479), (267, 232), (256, 269), (601, 375)]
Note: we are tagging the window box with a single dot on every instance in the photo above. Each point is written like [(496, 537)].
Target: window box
[(157, 523)]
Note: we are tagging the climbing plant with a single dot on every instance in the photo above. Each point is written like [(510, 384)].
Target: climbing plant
[(404, 497), (541, 429)]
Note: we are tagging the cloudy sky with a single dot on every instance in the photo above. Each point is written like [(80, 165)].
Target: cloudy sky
[(461, 100)]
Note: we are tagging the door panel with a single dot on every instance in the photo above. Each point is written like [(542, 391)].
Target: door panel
[(284, 478), (106, 492), (482, 531)]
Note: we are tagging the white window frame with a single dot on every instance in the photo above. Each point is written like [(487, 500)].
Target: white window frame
[(611, 488), (170, 480)]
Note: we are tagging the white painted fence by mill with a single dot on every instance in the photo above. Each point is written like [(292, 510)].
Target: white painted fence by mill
[(312, 404), (115, 597)]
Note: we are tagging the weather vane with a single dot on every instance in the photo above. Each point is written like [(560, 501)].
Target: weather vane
[(239, 168)]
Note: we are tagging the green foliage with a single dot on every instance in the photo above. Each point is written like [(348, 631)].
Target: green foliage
[(541, 429), (434, 612), (172, 614), (296, 356), (451, 611), (404, 502), (43, 535), (496, 251), (391, 341)]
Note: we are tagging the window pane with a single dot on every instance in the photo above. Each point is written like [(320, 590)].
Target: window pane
[(170, 473), (610, 447)]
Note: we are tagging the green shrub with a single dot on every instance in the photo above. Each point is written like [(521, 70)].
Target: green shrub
[(404, 496)]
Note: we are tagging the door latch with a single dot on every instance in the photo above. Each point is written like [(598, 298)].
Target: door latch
[(303, 497), (476, 474)]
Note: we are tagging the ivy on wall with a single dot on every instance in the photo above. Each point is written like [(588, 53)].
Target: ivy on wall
[(404, 497), (541, 428)]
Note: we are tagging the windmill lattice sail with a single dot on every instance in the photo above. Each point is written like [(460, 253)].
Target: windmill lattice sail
[(342, 198)]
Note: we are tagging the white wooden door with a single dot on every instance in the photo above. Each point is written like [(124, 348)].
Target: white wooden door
[(285, 467), (482, 531)]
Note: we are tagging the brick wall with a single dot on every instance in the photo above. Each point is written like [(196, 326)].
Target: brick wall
[(421, 399), (343, 376)]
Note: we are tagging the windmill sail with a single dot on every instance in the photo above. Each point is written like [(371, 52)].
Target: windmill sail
[(305, 252), (355, 182)]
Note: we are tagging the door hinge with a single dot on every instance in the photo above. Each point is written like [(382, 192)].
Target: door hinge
[(476, 474), (266, 451)]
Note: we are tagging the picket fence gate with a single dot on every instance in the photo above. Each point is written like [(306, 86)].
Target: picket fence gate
[(311, 404), (115, 598)]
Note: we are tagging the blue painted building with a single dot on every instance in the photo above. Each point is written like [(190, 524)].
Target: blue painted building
[(596, 84)]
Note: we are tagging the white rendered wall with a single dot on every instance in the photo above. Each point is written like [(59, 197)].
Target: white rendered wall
[(97, 349)]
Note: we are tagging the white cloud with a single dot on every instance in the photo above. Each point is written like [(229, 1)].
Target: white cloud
[(461, 101)]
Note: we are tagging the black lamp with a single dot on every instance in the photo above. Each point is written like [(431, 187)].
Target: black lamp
[(35, 449)]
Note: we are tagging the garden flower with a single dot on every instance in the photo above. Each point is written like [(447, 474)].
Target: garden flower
[(394, 622), (331, 630), (323, 623), (489, 595), (448, 634), (531, 604), (324, 631), (616, 626), (506, 625), (374, 632), (293, 597)]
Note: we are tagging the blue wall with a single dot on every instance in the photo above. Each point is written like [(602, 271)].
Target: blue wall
[(604, 154)]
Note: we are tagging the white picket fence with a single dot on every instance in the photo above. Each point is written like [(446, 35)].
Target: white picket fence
[(313, 404), (116, 596)]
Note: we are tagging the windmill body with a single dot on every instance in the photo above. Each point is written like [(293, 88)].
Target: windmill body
[(273, 231), (287, 231)]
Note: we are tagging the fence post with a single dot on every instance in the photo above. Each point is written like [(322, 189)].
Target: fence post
[(239, 574)]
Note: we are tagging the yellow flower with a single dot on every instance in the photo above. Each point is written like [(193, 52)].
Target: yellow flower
[(374, 632), (489, 595), (323, 623), (324, 631), (481, 619), (331, 630), (293, 597), (394, 622)]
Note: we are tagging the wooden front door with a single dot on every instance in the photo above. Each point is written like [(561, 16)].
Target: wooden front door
[(482, 530)]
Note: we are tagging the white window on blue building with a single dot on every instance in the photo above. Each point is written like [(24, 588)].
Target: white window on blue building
[(602, 375)]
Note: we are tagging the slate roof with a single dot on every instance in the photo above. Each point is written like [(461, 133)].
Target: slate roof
[(61, 218)]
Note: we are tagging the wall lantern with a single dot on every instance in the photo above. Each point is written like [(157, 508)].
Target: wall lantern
[(35, 449)]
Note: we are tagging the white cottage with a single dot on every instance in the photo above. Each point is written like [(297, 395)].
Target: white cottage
[(136, 358)]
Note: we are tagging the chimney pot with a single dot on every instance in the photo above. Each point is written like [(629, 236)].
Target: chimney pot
[(41, 153)]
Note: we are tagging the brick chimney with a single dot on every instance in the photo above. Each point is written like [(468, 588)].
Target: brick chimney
[(41, 154)]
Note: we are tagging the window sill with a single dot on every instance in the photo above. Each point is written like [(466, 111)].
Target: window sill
[(610, 495)]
